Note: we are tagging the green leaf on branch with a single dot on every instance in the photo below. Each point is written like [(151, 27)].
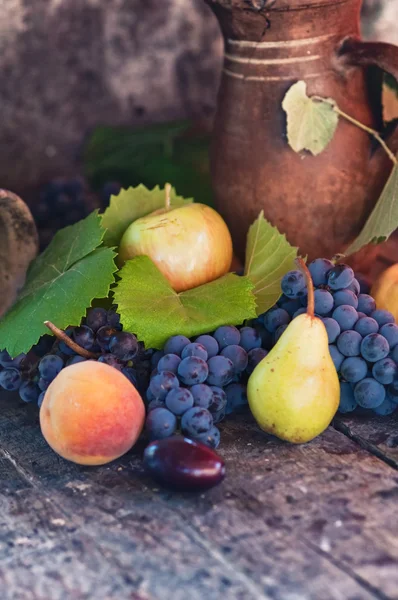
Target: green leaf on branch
[(131, 204), (61, 284), (269, 256), (151, 309), (311, 124), (383, 220)]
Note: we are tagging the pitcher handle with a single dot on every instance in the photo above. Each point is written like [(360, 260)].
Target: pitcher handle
[(355, 52)]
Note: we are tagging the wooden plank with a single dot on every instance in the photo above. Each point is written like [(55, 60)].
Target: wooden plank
[(378, 435), (289, 523)]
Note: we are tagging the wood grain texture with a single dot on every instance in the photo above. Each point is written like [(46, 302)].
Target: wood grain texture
[(289, 522)]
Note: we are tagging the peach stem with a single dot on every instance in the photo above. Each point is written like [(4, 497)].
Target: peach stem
[(310, 286), (61, 335)]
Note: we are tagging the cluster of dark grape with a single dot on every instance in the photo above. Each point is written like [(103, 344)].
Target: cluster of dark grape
[(100, 332), (363, 341), (194, 384), (66, 201)]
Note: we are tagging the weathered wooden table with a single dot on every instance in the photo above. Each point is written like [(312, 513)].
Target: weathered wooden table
[(318, 521)]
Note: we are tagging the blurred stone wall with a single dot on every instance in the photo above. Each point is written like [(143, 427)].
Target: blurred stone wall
[(68, 65)]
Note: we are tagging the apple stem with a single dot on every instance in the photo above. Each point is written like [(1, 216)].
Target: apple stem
[(167, 201), (310, 286), (61, 335)]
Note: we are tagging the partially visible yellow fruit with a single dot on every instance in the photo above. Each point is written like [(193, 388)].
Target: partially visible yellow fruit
[(385, 291)]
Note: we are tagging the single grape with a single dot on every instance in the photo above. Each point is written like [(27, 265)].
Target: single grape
[(340, 277), (210, 438), (196, 421), (155, 358), (290, 306), (103, 337), (236, 397), (323, 302), (385, 370), (50, 365), (179, 400), (382, 317), (29, 391), (43, 384), (345, 297), (219, 404), (353, 369), (346, 316), (111, 360), (349, 343), (96, 318), (276, 317), (176, 344), (332, 329), (255, 356), (249, 338), (40, 399), (336, 356), (123, 345), (74, 360), (366, 304), (366, 325), (162, 383), (221, 371), (10, 379), (354, 287), (156, 403), (374, 347), (160, 423), (131, 375), (319, 269), (293, 284), (210, 343), (347, 398), (192, 370), (227, 335), (237, 355), (84, 337), (169, 362), (369, 393), (113, 319), (202, 395), (390, 332), (194, 349), (278, 333), (392, 391), (385, 408)]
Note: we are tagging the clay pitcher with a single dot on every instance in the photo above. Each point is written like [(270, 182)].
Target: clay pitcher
[(321, 202)]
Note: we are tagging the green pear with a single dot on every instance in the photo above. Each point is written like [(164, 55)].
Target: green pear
[(294, 392)]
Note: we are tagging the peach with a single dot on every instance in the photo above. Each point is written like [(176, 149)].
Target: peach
[(91, 414)]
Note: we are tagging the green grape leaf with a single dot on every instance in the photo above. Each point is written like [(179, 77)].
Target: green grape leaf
[(383, 220), (131, 204), (60, 285), (269, 256), (311, 123), (151, 309)]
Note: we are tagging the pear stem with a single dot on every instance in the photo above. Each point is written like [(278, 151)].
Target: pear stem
[(61, 335), (310, 286), (167, 191)]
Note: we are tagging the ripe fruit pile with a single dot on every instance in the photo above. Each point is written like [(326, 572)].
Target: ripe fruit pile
[(99, 333), (363, 341), (194, 384)]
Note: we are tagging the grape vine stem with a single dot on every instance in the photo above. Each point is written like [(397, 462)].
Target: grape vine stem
[(369, 130), (61, 335)]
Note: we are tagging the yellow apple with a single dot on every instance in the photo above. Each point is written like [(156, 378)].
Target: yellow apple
[(191, 245)]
